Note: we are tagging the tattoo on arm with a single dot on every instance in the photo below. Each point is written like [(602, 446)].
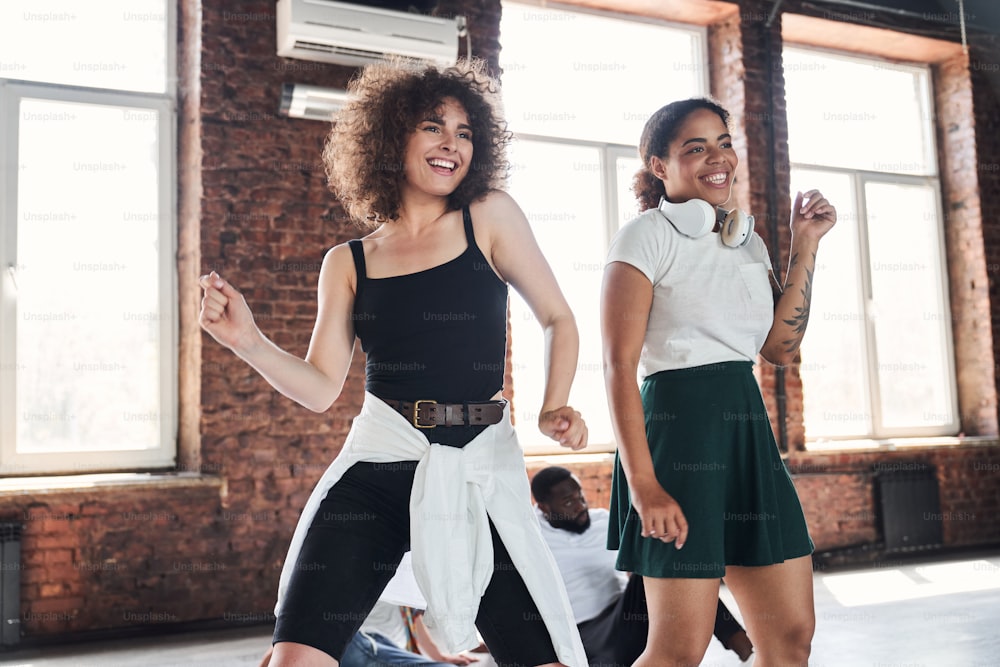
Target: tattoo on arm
[(799, 321)]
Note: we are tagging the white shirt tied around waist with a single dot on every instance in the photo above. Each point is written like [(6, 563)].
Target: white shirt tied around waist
[(454, 489)]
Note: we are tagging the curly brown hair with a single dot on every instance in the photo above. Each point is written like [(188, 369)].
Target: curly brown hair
[(364, 149), (658, 133)]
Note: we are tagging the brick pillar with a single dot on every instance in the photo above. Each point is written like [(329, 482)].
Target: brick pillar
[(984, 68), (746, 63), (963, 226)]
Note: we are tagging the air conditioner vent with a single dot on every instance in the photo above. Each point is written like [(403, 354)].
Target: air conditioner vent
[(350, 34)]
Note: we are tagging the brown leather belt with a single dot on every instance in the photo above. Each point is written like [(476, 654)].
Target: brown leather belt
[(428, 414)]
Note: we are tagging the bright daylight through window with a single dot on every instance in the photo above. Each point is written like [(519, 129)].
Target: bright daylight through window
[(87, 343), (878, 360), (576, 94)]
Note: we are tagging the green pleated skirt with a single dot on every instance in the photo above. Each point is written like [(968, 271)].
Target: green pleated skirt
[(714, 452)]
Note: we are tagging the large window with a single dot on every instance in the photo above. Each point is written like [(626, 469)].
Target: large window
[(87, 316), (878, 361), (578, 88)]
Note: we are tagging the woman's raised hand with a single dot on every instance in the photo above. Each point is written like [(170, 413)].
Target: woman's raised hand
[(812, 214), (225, 314)]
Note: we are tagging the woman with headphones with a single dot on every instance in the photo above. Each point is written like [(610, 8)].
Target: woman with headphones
[(700, 491)]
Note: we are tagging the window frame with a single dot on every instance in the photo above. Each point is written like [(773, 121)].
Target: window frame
[(164, 104), (858, 179), (609, 153)]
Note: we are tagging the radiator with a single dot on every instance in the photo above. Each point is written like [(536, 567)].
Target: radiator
[(10, 583), (906, 495)]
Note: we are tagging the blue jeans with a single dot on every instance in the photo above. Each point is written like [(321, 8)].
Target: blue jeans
[(374, 650)]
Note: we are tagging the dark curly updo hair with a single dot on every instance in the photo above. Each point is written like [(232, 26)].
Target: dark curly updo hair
[(660, 130), (365, 147)]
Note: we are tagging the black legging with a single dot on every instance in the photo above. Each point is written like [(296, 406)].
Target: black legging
[(354, 545)]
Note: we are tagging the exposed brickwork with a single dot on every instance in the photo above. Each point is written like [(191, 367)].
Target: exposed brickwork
[(595, 477), (150, 556), (741, 73), (962, 170), (266, 220), (838, 491), (984, 66), (210, 551)]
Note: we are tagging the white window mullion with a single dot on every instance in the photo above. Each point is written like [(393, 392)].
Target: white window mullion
[(623, 163), (609, 194), (869, 310), (8, 266), (167, 238)]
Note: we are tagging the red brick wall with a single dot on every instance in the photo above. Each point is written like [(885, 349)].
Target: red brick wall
[(206, 547), (145, 554), (745, 65), (837, 491), (963, 168), (984, 70)]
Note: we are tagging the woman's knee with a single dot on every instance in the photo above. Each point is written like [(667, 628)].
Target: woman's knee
[(790, 644), (299, 655), (677, 650), (799, 636)]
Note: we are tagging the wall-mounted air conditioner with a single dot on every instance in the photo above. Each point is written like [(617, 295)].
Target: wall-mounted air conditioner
[(312, 102), (350, 34)]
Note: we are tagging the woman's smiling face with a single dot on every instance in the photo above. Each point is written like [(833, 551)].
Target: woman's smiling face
[(439, 151), (700, 163)]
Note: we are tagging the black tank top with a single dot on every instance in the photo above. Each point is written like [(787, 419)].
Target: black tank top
[(436, 334)]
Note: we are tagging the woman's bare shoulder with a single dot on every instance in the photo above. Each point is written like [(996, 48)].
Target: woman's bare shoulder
[(338, 266), (497, 214), (494, 204)]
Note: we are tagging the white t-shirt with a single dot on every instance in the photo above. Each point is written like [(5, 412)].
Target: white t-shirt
[(586, 565), (711, 303), (387, 619)]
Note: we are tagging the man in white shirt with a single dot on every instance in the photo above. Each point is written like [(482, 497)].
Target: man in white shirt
[(609, 606)]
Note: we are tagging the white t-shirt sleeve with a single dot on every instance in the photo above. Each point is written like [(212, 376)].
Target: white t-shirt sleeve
[(387, 620), (643, 243)]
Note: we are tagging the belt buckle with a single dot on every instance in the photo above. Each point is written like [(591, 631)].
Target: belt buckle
[(416, 413)]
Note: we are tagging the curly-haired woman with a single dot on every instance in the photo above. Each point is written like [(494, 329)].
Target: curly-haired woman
[(431, 463)]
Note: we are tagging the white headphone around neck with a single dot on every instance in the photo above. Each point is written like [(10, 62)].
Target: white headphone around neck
[(696, 217)]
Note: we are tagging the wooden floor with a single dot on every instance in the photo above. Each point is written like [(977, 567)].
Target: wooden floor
[(912, 613)]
